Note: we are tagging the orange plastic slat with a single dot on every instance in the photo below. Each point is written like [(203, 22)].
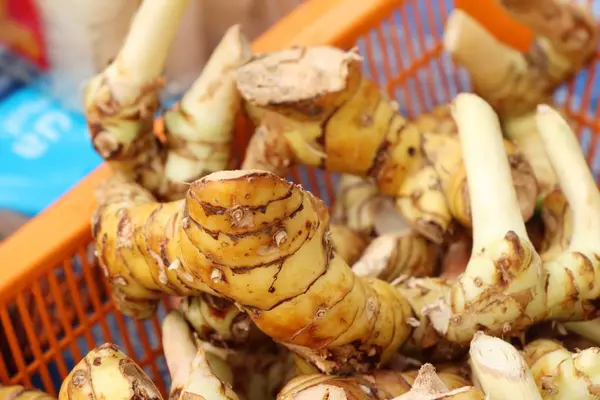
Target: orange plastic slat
[(50, 237), (333, 22)]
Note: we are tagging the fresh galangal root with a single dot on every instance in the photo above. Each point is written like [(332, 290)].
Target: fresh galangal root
[(195, 372), (502, 287), (515, 83), (543, 370), (380, 385), (18, 392), (562, 375), (395, 255), (573, 276), (506, 287), (360, 207), (255, 372), (122, 100), (332, 117), (241, 229), (217, 320), (107, 373)]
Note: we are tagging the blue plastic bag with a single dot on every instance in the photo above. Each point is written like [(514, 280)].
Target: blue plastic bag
[(44, 151)]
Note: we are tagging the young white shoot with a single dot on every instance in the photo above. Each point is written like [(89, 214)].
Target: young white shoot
[(573, 275), (121, 101), (502, 288), (200, 128)]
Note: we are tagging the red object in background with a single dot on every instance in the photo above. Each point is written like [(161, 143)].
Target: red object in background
[(21, 30)]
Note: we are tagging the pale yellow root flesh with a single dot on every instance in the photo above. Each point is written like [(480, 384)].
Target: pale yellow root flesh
[(107, 373), (560, 374), (348, 244), (501, 370)]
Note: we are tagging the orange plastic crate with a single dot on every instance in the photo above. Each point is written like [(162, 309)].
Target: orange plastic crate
[(53, 301)]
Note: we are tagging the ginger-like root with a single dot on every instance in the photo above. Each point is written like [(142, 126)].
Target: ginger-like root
[(359, 206), (194, 370), (515, 83), (332, 117), (441, 152), (270, 227), (269, 151), (216, 320), (323, 387), (429, 386), (500, 369), (573, 282), (107, 373), (380, 384), (347, 243), (566, 28), (137, 250), (254, 372), (560, 374), (502, 288), (264, 243), (18, 392), (393, 255), (122, 100)]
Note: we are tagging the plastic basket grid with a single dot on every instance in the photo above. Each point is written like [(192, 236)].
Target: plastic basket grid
[(62, 311)]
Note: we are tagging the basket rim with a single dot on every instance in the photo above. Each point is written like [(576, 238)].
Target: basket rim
[(54, 234)]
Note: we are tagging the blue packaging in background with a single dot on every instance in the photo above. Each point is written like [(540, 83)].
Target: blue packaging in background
[(44, 150)]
